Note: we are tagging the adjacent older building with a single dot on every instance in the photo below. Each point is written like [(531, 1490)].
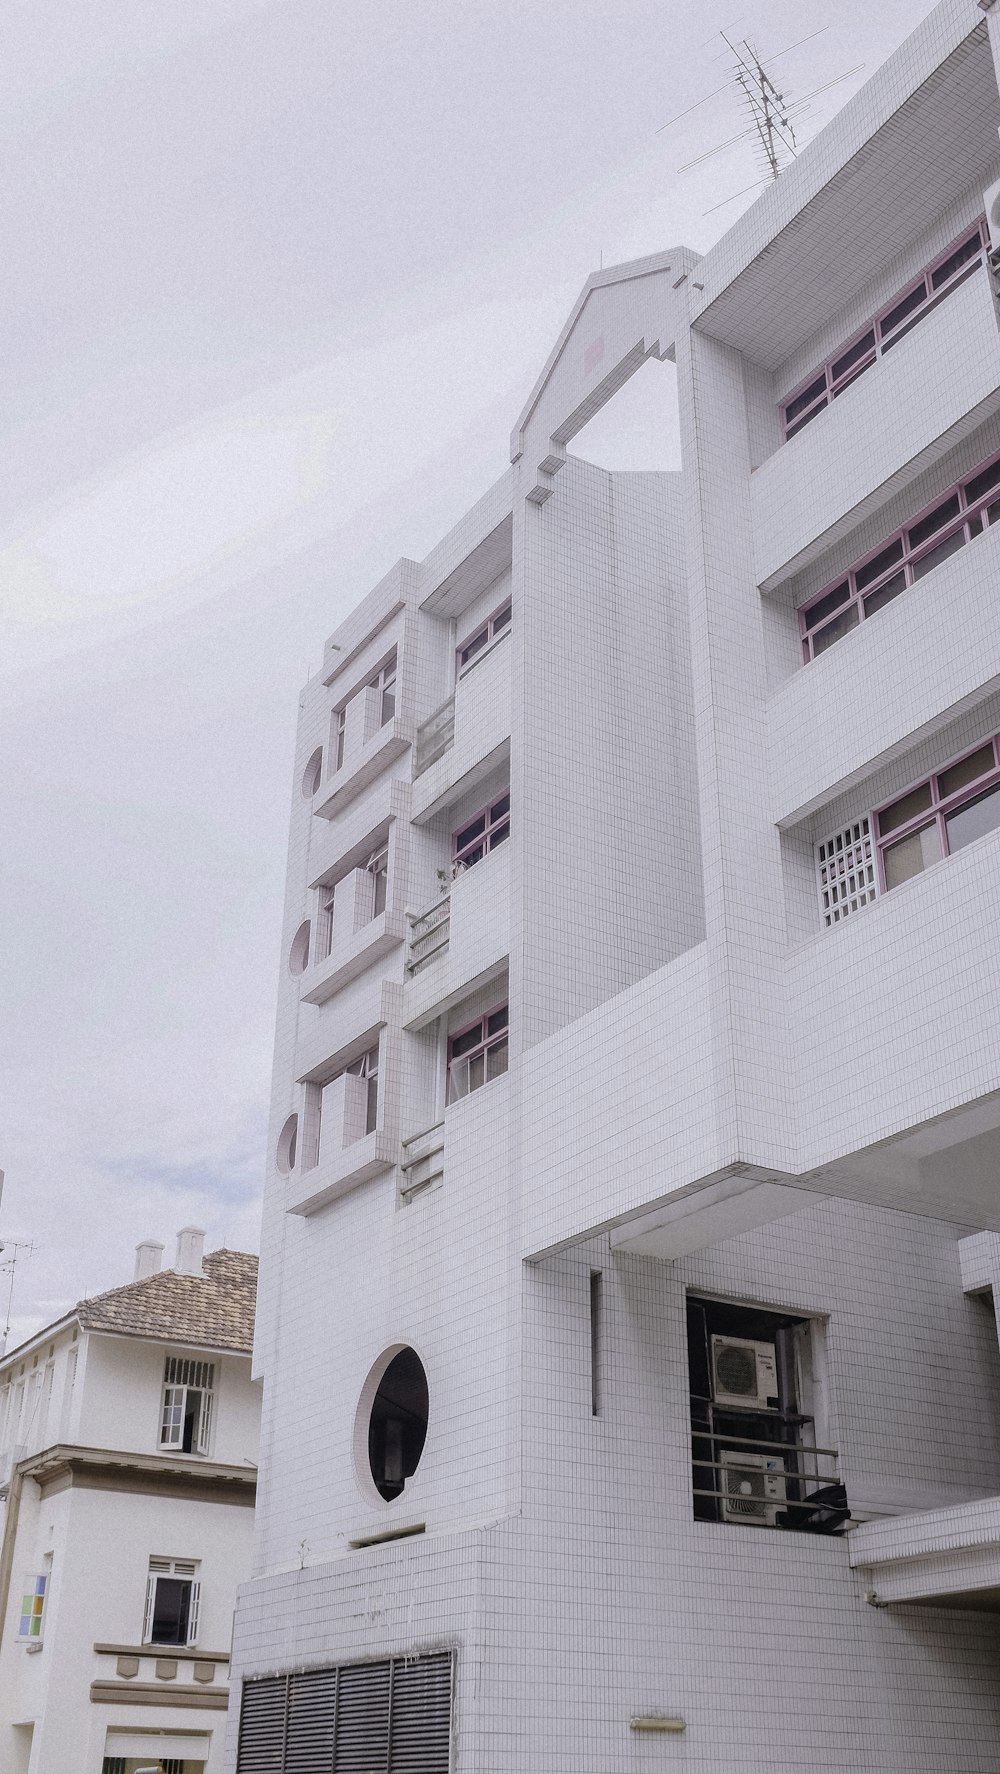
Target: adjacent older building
[(632, 1392), (128, 1449)]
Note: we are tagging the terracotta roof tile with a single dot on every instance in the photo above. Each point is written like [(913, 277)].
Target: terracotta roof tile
[(214, 1310)]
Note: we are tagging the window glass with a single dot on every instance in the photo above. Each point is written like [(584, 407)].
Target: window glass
[(978, 763), (935, 520), (851, 357), (981, 483), (805, 399), (825, 606), (884, 594), (834, 631), (903, 309), (969, 249), (906, 808), (472, 647), (974, 820), (881, 562), (501, 619), (935, 556), (912, 855)]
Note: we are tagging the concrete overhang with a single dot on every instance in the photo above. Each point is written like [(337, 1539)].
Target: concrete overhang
[(919, 133), (947, 1558)]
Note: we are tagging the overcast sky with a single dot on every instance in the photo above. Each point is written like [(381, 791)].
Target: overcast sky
[(277, 277)]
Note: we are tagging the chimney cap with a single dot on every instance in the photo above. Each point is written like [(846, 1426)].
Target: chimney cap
[(147, 1258), (190, 1249)]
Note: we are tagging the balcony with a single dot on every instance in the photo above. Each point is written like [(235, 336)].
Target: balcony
[(944, 1557), (936, 647), (352, 955), (422, 1159), (936, 385), (361, 768), (434, 737), (480, 712), (462, 939)]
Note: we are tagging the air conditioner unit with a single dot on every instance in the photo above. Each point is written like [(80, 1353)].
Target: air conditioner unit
[(744, 1372), (752, 1486)]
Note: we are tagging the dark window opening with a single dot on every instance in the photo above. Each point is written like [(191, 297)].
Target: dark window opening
[(753, 1449), (171, 1611), (397, 1427)]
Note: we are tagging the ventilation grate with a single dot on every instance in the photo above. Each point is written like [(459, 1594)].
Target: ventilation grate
[(846, 872), (393, 1716)]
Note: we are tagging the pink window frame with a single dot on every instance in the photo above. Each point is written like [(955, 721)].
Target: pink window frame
[(832, 388), (502, 1037), (909, 559), (384, 682), (487, 836), (487, 628), (941, 805)]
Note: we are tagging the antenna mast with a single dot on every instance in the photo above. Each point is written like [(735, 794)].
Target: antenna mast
[(765, 103), (10, 1252)]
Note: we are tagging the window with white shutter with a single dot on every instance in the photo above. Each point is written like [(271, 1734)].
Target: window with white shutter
[(392, 1717), (187, 1406)]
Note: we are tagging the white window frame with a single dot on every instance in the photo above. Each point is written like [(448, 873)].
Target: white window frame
[(178, 1570), (183, 1374)]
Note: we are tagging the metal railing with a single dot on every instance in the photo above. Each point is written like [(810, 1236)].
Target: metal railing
[(434, 736), (772, 1474), (429, 933), (422, 1158)]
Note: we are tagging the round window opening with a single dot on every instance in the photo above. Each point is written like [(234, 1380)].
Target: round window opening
[(287, 1141), (312, 774), (397, 1427), (298, 954)]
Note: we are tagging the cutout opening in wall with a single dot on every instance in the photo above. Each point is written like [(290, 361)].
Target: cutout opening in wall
[(391, 1424), (298, 954), (312, 775), (638, 429), (287, 1143)]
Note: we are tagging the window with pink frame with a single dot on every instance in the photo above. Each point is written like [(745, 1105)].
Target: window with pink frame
[(487, 829), (905, 311), (940, 815), (478, 1053), (481, 637), (941, 529)]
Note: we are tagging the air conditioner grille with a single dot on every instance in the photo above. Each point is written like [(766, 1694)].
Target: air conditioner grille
[(736, 1370)]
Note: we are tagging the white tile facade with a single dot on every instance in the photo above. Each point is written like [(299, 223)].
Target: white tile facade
[(708, 1090)]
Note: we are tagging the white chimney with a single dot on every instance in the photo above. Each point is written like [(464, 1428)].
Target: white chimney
[(147, 1258), (190, 1245)]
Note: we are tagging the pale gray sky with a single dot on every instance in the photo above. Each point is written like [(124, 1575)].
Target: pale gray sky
[(277, 276)]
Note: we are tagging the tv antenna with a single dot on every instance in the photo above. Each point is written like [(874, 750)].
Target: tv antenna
[(769, 117), (12, 1251)]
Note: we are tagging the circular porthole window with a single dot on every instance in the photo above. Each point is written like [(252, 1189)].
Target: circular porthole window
[(287, 1141), (298, 954), (393, 1419), (312, 774)]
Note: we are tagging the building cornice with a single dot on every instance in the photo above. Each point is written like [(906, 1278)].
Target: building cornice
[(111, 1693), (65, 1467)]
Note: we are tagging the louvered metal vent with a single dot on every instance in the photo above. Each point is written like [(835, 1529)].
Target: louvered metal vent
[(363, 1718)]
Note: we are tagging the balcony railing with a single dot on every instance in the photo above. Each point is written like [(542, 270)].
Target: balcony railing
[(760, 1468), (429, 933), (434, 737), (422, 1159)]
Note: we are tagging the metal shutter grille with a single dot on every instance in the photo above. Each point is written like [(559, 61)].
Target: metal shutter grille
[(262, 1727), (362, 1720), (312, 1712), (420, 1726)]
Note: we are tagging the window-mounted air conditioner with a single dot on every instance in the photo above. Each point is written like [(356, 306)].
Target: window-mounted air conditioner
[(752, 1486), (744, 1372)]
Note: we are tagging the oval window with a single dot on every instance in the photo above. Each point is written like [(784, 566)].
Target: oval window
[(312, 775), (397, 1423), (287, 1142), (298, 954)]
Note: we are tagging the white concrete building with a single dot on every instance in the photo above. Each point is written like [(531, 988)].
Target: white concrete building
[(128, 1449), (634, 1171)]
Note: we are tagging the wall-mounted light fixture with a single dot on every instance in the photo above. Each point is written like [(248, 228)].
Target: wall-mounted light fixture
[(655, 1724)]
